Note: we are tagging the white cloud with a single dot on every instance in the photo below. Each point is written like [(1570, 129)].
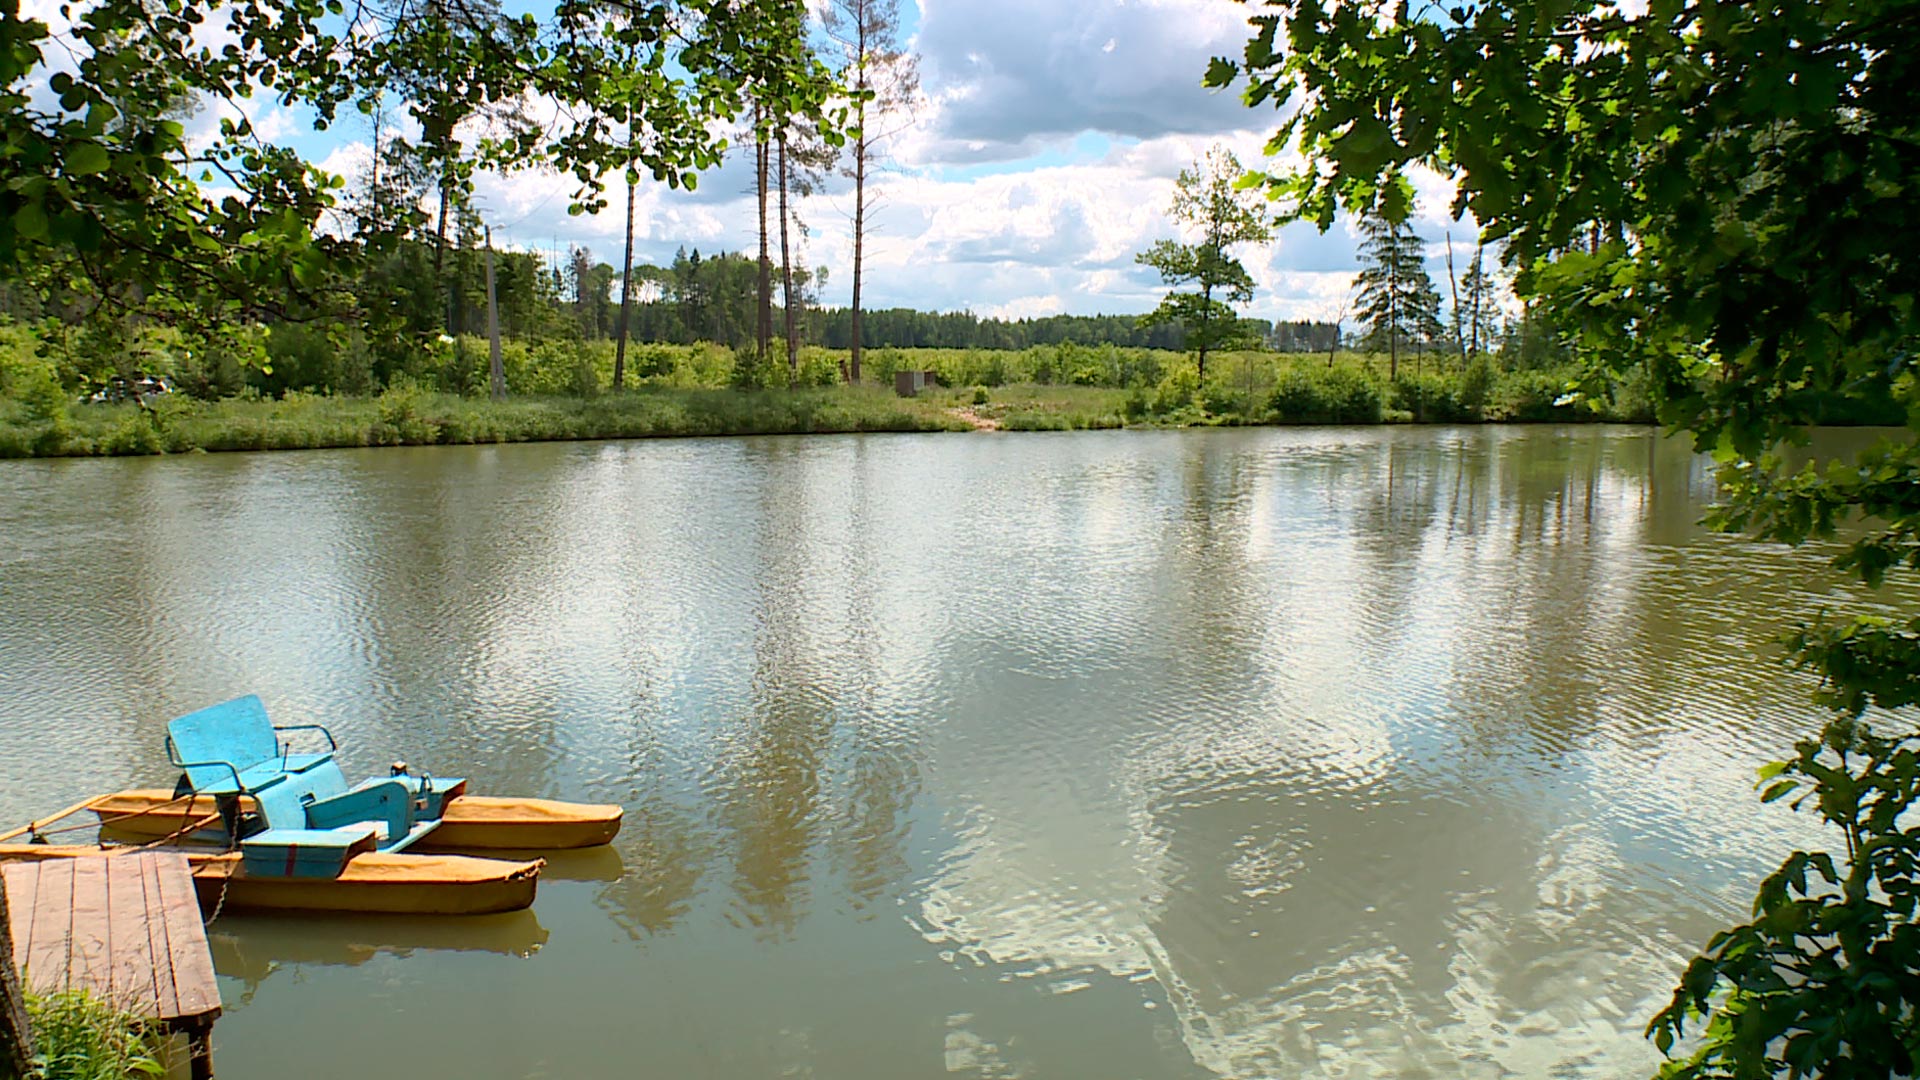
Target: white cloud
[(1033, 168), (1011, 75)]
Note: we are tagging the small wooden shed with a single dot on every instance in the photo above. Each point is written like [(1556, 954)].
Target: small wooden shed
[(911, 383)]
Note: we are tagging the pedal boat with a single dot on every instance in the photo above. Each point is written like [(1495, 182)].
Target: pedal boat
[(292, 836)]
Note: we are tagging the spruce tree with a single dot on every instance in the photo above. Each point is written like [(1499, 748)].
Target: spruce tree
[(1398, 300)]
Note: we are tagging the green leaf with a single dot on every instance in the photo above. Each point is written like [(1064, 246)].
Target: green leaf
[(30, 221), (86, 159)]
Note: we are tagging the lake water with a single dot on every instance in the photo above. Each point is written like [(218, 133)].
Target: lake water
[(1258, 753)]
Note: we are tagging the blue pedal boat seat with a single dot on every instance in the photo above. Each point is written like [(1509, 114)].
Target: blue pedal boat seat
[(305, 853), (312, 819)]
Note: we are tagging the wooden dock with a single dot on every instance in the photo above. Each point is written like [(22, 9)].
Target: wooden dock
[(125, 928)]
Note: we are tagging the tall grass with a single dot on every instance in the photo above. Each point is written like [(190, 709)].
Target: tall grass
[(77, 1036)]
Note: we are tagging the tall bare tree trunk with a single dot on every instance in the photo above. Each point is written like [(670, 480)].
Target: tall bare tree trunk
[(373, 162), (1479, 295), (457, 307), (496, 366), (859, 242), (1206, 313), (862, 24), (440, 252), (1453, 287), (16, 1038), (626, 299), (1393, 321), (765, 328), (786, 276)]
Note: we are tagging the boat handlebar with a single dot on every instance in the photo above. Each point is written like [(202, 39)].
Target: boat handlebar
[(332, 746)]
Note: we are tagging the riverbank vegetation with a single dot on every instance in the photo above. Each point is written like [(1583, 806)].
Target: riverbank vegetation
[(310, 395), (76, 1036)]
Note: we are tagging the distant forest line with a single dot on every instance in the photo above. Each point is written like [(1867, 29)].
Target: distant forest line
[(712, 298)]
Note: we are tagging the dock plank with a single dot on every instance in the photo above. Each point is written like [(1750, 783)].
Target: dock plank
[(20, 902), (129, 942), (193, 980), (89, 965), (166, 999), (46, 966)]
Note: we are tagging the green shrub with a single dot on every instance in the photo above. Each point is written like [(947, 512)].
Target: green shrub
[(19, 357), (135, 435), (1309, 394), (1431, 398), (586, 376), (1534, 396), (818, 367), (979, 395), (1476, 384), (752, 373), (402, 416), (1176, 391), (1224, 394)]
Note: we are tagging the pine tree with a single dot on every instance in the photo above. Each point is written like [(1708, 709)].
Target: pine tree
[(1398, 300)]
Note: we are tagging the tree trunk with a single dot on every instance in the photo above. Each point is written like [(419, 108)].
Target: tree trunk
[(786, 276), (440, 260), (1453, 287), (859, 190), (440, 234), (1206, 313), (1335, 343), (626, 299), (1393, 325), (16, 1038), (859, 239), (495, 365), (457, 309), (765, 329), (373, 163), (1478, 297)]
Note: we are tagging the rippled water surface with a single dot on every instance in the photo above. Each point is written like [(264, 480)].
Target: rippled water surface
[(1249, 753)]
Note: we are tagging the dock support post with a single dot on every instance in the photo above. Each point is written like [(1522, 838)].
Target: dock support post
[(200, 1043), (16, 1038)]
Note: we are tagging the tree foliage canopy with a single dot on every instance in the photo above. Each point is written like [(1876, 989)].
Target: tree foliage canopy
[(1722, 193), (101, 184), (1209, 199)]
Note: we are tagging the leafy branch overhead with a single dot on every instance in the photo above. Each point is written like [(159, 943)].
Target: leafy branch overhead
[(102, 181)]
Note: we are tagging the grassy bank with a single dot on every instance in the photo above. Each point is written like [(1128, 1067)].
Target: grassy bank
[(693, 391), (419, 418)]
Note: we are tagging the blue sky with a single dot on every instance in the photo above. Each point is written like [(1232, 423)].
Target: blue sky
[(1039, 159)]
